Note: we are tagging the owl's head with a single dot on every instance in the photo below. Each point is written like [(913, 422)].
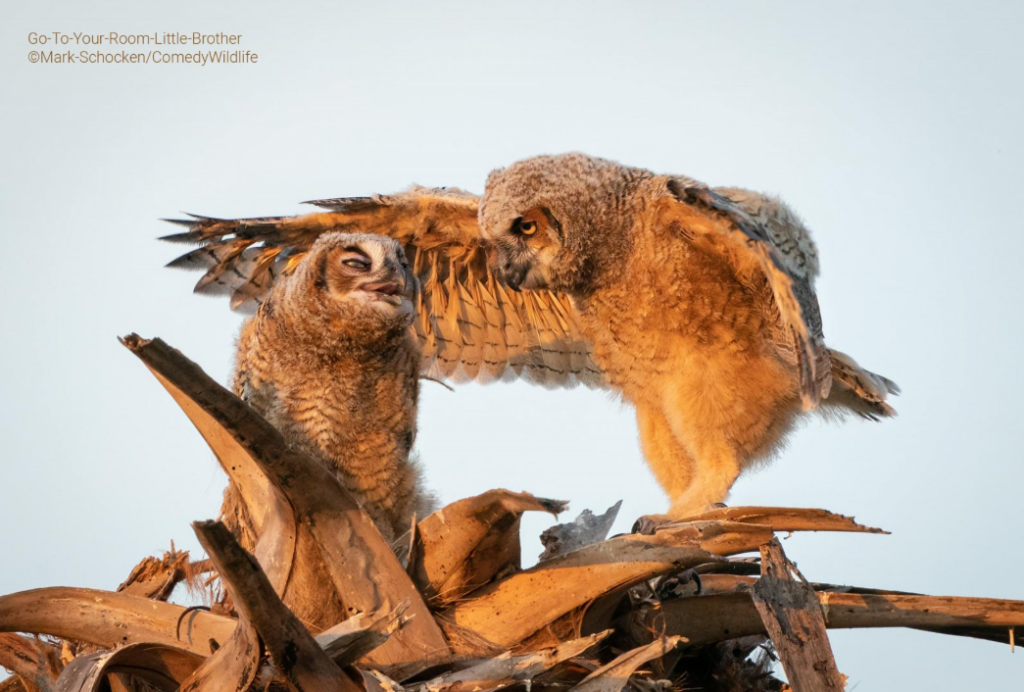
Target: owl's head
[(556, 222), (354, 279)]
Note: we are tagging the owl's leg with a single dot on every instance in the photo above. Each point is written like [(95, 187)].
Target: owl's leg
[(672, 464), (716, 469)]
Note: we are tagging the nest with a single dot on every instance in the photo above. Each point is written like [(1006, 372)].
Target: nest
[(324, 604)]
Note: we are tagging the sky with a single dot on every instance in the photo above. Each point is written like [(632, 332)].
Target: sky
[(894, 129)]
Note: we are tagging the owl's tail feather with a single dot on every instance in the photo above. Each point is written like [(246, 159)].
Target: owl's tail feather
[(858, 390)]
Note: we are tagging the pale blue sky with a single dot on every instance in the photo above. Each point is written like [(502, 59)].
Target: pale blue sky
[(893, 128)]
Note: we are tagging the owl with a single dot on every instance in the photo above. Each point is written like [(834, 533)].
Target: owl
[(694, 304), (330, 361)]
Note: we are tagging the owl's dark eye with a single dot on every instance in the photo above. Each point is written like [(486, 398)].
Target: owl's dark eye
[(523, 227)]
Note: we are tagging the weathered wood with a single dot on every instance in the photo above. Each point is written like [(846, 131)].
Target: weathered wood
[(273, 517), (507, 612), (505, 669), (794, 621), (357, 636), (163, 667), (782, 519), (16, 684), (721, 538), (234, 665), (156, 577), (35, 662), (110, 619), (375, 681), (717, 617), (296, 655), (464, 545), (361, 565), (584, 530), (615, 675)]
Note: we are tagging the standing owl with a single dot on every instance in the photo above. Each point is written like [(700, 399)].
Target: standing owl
[(695, 304), (329, 360)]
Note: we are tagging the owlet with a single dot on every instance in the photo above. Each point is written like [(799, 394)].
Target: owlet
[(695, 304), (330, 361)]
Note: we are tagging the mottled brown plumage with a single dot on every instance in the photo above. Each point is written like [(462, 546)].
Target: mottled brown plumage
[(699, 305), (696, 304), (330, 361)]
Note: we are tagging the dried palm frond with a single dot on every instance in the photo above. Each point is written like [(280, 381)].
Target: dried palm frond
[(321, 602)]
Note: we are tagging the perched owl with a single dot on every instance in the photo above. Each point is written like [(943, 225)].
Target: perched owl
[(329, 360), (695, 304)]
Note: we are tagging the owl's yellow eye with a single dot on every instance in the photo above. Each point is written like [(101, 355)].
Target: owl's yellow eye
[(526, 227)]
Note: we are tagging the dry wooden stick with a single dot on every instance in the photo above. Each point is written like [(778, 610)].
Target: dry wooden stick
[(36, 663), (714, 618), (109, 619), (234, 665), (297, 657), (793, 618), (361, 565)]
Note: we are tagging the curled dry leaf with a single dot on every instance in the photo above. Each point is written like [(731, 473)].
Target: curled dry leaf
[(466, 544), (221, 426), (163, 667), (585, 530), (615, 675), (364, 571), (109, 619), (507, 612)]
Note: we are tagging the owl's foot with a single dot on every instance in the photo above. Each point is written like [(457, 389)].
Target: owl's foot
[(649, 523)]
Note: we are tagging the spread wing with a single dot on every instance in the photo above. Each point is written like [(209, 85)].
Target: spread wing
[(471, 327), (765, 239)]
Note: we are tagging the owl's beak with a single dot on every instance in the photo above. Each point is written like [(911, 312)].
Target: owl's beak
[(388, 288), (512, 275)]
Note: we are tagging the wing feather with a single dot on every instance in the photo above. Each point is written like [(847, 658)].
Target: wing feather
[(470, 326), (775, 251)]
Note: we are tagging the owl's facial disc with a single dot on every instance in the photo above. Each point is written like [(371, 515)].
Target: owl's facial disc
[(372, 276), (527, 251)]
